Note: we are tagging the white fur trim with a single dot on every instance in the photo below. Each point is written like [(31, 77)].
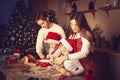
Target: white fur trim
[(54, 41), (66, 44), (17, 54)]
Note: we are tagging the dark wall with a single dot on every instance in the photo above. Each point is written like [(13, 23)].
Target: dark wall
[(6, 7)]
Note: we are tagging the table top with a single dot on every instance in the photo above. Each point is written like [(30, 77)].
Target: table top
[(48, 73), (23, 72)]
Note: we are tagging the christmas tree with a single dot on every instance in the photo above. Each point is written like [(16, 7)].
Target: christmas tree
[(21, 30)]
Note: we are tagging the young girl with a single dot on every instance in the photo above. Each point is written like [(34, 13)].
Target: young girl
[(52, 39), (73, 66), (47, 21), (82, 36)]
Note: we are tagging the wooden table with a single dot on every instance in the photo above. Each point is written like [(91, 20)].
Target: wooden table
[(48, 73)]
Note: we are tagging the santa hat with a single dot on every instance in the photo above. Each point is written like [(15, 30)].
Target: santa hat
[(53, 37), (68, 43)]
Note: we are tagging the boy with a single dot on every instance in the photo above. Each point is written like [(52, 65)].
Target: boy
[(52, 39), (69, 67)]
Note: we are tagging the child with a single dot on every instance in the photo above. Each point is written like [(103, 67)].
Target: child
[(52, 39), (69, 67)]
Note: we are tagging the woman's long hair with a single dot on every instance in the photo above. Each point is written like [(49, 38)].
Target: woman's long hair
[(83, 25)]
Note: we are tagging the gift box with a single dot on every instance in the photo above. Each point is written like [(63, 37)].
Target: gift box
[(11, 59)]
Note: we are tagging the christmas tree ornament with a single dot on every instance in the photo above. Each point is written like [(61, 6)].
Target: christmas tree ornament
[(12, 38)]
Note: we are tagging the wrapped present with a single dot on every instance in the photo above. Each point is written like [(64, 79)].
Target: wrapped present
[(11, 59)]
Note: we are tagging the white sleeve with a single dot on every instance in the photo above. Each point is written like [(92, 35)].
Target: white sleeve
[(59, 29), (57, 53), (62, 33), (39, 42), (84, 50)]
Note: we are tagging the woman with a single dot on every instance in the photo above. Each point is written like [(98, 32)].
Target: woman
[(82, 35), (47, 21)]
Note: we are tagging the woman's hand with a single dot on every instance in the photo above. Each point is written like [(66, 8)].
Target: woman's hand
[(41, 55), (60, 60)]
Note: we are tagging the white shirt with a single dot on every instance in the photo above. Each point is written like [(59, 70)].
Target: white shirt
[(84, 49), (42, 35)]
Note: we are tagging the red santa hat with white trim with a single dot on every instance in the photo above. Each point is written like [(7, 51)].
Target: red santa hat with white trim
[(53, 37), (68, 43)]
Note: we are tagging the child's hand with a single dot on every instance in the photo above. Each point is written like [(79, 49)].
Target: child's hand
[(48, 56), (60, 59), (52, 60)]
